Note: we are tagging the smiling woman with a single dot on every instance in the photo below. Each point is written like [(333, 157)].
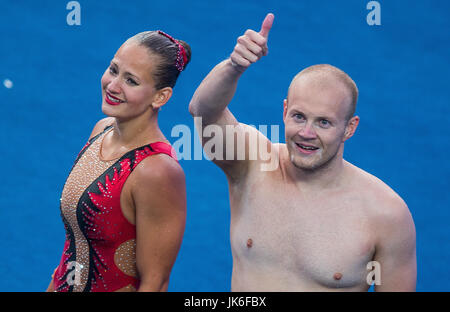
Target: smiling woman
[(124, 202), (145, 68)]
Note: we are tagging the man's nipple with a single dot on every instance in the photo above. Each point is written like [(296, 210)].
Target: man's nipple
[(337, 276)]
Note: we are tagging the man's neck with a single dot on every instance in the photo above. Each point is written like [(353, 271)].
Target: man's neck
[(328, 176)]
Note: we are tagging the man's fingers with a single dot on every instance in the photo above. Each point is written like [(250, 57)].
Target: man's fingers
[(255, 37), (267, 25), (251, 45), (239, 62), (246, 53)]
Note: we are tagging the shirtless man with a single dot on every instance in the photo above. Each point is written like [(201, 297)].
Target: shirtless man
[(315, 222)]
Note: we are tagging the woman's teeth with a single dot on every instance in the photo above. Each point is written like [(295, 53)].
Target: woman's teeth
[(113, 99)]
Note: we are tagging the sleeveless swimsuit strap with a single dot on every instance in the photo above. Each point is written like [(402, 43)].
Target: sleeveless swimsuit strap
[(89, 142), (163, 148)]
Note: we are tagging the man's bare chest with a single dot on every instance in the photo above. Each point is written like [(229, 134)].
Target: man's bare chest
[(328, 239)]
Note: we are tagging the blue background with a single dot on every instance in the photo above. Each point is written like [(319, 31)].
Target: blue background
[(401, 68)]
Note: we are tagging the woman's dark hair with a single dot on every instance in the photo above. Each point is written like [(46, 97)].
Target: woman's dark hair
[(166, 71)]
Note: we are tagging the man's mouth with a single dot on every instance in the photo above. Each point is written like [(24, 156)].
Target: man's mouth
[(306, 148), (110, 99)]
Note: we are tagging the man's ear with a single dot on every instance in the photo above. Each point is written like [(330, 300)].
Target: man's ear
[(285, 104), (350, 129), (161, 97)]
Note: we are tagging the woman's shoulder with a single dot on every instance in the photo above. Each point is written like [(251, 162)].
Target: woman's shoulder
[(101, 125), (157, 178), (159, 168)]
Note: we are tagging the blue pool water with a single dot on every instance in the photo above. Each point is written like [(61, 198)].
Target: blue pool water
[(401, 68)]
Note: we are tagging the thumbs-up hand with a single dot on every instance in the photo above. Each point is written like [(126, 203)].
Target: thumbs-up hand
[(252, 45)]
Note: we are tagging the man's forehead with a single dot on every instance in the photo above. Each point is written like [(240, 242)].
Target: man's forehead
[(316, 85), (323, 95), (318, 80)]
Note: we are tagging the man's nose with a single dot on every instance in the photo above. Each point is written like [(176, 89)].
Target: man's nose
[(307, 131)]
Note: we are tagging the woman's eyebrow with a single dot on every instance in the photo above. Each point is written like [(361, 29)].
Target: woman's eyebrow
[(126, 73)]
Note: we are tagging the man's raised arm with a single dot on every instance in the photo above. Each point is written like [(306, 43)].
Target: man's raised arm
[(216, 91)]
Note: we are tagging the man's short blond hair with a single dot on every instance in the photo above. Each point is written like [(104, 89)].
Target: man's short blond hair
[(326, 70)]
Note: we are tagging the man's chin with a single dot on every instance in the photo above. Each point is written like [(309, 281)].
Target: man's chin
[(305, 166), (303, 162)]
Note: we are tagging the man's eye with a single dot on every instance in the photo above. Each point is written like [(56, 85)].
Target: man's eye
[(298, 116), (324, 123), (112, 70)]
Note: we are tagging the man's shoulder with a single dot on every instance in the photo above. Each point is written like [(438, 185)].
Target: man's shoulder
[(268, 160), (389, 215), (385, 203), (260, 155)]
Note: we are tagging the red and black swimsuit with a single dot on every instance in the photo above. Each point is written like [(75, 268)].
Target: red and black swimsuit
[(99, 252)]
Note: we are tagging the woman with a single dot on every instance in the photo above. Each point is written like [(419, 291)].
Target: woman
[(124, 202)]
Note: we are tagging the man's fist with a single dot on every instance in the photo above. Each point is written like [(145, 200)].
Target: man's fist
[(252, 45)]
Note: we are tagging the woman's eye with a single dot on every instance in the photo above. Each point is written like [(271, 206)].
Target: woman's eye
[(112, 70), (132, 82)]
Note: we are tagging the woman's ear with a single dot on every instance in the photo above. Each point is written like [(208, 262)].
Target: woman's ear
[(161, 97)]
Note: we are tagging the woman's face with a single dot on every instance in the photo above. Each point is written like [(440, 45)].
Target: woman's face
[(127, 85)]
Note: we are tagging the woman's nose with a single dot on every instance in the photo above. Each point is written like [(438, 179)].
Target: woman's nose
[(114, 86)]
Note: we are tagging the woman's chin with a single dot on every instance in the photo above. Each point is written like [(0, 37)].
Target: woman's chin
[(109, 110)]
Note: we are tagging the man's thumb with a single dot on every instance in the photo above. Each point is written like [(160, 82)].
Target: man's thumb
[(267, 25)]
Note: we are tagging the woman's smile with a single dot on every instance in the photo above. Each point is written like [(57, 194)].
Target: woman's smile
[(112, 100)]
